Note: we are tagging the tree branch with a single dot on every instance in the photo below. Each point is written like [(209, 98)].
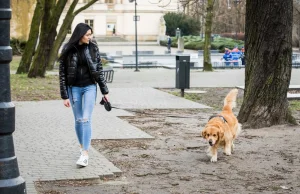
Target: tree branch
[(84, 7)]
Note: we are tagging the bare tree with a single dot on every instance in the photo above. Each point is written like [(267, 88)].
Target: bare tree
[(296, 21), (51, 12), (207, 66), (33, 38), (64, 30), (229, 16), (268, 71)]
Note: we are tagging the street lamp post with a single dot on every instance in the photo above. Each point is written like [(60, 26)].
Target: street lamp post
[(136, 47), (10, 180)]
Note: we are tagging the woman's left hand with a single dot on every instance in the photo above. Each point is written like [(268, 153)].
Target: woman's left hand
[(106, 96)]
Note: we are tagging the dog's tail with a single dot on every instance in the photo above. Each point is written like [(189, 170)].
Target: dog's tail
[(230, 99)]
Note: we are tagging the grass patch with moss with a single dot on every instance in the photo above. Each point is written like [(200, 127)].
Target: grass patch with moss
[(214, 97), (192, 97), (294, 105), (14, 64), (34, 89)]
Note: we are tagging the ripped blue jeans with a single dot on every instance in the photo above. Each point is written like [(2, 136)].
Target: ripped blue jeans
[(83, 101)]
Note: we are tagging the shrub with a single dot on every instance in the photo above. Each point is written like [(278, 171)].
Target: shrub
[(222, 43), (240, 36), (196, 43), (104, 61), (173, 44), (187, 24), (17, 46)]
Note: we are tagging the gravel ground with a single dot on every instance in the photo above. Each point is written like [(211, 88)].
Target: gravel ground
[(264, 161)]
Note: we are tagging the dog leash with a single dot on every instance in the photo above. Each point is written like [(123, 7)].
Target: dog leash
[(224, 120), (107, 105)]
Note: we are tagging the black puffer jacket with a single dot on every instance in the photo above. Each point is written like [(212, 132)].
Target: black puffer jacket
[(68, 68)]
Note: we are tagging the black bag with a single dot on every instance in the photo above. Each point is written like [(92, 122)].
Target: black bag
[(106, 104)]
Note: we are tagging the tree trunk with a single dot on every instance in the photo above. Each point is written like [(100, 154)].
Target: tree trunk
[(207, 66), (57, 44), (48, 33), (32, 39), (269, 62), (299, 35), (64, 30)]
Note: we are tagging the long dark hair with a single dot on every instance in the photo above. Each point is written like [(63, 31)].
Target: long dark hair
[(79, 31)]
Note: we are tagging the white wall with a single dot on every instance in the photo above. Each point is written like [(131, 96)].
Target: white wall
[(148, 26)]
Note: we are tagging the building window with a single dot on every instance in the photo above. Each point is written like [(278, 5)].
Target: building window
[(109, 1), (90, 23)]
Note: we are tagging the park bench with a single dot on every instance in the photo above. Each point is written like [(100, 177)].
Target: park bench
[(108, 75), (222, 64), (144, 52), (148, 63), (200, 52), (296, 60), (142, 64)]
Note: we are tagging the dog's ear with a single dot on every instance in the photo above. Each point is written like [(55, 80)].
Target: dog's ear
[(203, 133)]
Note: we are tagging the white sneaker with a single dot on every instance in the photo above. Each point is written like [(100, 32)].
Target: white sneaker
[(83, 160)]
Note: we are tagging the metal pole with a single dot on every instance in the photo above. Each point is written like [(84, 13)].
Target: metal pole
[(136, 48), (10, 180)]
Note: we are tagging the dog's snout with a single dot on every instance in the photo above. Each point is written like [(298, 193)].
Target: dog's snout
[(210, 142)]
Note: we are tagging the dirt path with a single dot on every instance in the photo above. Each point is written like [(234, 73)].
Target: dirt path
[(264, 161)]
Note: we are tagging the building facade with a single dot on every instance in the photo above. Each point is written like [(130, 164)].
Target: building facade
[(116, 18), (22, 13)]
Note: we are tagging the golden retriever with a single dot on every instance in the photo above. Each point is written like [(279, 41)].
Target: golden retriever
[(222, 129)]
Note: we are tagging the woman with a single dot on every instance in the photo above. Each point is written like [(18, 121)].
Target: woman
[(79, 70)]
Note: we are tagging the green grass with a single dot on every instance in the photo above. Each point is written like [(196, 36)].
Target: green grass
[(34, 89), (295, 105), (14, 64), (192, 97)]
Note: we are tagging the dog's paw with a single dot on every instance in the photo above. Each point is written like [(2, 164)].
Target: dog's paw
[(227, 152), (213, 159)]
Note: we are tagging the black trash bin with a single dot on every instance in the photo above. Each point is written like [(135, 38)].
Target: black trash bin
[(182, 73)]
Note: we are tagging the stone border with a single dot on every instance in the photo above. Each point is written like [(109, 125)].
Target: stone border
[(290, 96)]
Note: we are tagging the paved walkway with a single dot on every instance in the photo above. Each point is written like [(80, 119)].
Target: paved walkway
[(45, 141)]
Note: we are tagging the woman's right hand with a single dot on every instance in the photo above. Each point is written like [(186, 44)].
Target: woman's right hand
[(67, 103)]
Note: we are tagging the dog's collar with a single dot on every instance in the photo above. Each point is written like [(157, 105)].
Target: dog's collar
[(223, 119)]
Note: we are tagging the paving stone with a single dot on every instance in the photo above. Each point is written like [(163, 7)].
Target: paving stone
[(46, 144), (149, 98), (195, 92)]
